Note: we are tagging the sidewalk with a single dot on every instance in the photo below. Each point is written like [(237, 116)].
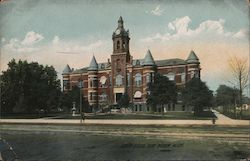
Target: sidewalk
[(222, 120)]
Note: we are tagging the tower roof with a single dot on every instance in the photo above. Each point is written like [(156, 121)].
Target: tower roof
[(120, 28), (148, 60), (66, 70), (93, 66), (192, 58), (120, 19)]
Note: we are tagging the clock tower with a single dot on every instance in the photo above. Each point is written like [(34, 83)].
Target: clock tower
[(119, 60)]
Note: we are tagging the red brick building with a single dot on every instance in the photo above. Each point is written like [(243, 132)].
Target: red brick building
[(104, 83)]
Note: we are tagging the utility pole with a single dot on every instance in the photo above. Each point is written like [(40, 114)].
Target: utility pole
[(80, 89)]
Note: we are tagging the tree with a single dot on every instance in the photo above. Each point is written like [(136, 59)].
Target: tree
[(227, 97), (197, 94), (74, 96), (239, 72), (28, 87), (123, 102), (161, 91)]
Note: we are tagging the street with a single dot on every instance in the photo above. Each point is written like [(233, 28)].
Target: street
[(127, 142)]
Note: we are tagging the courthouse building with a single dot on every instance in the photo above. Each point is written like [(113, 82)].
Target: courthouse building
[(103, 83)]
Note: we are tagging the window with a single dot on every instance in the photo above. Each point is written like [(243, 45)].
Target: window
[(138, 94), (103, 81), (118, 80), (171, 76), (81, 84), (137, 62), (148, 78), (103, 96), (196, 74), (91, 96), (128, 79), (123, 45), (93, 82), (138, 81), (183, 77), (192, 74), (118, 45), (65, 82)]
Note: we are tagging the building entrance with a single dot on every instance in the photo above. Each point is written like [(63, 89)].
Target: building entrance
[(118, 97)]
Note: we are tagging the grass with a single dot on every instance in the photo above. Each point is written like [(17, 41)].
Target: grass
[(245, 114), (27, 116), (206, 115), (171, 115)]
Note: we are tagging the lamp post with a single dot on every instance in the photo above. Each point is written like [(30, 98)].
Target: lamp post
[(80, 87)]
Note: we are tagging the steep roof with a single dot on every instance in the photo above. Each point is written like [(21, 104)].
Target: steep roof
[(79, 71), (148, 60), (93, 66), (192, 58), (66, 70), (170, 62)]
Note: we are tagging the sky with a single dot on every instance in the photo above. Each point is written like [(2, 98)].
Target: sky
[(60, 32)]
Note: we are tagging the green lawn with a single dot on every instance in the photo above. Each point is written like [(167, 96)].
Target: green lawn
[(27, 116), (245, 114), (171, 115), (207, 115)]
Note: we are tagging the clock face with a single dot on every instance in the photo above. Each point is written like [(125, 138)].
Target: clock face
[(118, 32)]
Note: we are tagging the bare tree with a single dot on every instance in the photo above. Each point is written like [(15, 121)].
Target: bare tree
[(239, 71)]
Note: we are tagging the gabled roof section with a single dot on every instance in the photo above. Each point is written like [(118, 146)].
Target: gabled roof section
[(192, 58), (148, 60), (93, 66), (66, 70)]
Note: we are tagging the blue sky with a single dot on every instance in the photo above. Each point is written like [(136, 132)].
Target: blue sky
[(60, 32)]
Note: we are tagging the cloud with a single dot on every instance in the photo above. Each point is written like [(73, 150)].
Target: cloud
[(241, 34), (62, 46), (32, 38), (179, 29), (55, 40), (26, 45), (3, 39), (157, 11)]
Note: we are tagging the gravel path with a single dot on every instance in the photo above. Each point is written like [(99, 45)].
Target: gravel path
[(222, 120)]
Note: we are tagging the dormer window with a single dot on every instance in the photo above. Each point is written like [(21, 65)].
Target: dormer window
[(137, 62)]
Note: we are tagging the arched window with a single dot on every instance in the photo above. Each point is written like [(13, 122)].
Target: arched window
[(118, 45), (138, 94), (138, 79), (103, 81), (123, 45), (118, 80), (171, 76)]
